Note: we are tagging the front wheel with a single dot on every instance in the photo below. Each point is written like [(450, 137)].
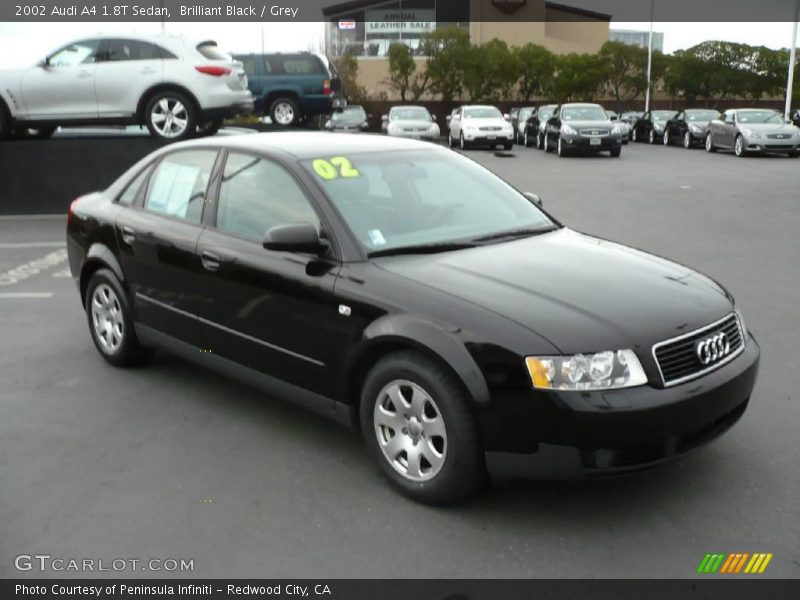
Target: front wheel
[(652, 136), (633, 135), (738, 146), (560, 150), (110, 321), (615, 153), (461, 141), (284, 112), (794, 154), (710, 147), (687, 140), (539, 141), (170, 116), (546, 143), (508, 145), (417, 424), (665, 138), (525, 141)]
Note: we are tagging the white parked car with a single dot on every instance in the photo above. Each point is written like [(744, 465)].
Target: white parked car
[(171, 85), (412, 122), (472, 125)]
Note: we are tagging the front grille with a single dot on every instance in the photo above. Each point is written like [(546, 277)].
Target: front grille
[(677, 358), (779, 136), (594, 132), (490, 128)]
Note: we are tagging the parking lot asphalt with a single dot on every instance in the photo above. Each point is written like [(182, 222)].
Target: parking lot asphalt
[(168, 460)]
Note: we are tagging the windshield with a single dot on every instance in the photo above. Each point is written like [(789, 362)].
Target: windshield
[(350, 113), (701, 116), (419, 197), (409, 114), (662, 115), (546, 112), (583, 113), (758, 116), (525, 113), (488, 112)]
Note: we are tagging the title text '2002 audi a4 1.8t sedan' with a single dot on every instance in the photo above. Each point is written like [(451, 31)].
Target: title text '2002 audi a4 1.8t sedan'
[(403, 288)]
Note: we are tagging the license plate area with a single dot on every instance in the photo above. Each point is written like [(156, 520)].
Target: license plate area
[(595, 141)]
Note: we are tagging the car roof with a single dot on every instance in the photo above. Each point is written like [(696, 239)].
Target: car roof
[(581, 104), (311, 144), (407, 106)]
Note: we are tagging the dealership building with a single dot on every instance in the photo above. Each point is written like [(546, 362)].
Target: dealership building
[(366, 28)]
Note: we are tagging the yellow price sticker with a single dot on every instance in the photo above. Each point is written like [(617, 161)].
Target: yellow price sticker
[(338, 166)]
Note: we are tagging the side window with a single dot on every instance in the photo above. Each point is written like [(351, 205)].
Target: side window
[(267, 65), (680, 116), (258, 194), (132, 191), (301, 65), (249, 65), (78, 53), (178, 185)]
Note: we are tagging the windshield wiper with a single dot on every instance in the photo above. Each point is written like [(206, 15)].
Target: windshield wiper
[(515, 233), (422, 249)]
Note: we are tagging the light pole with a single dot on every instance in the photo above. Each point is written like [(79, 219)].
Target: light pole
[(650, 59), (792, 59)]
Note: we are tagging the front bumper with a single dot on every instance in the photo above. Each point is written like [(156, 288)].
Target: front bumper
[(595, 433), (582, 142), (476, 138), (771, 145), (416, 135)]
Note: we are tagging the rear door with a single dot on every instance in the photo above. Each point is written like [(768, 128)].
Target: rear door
[(157, 237), (64, 88), (270, 311), (125, 69)]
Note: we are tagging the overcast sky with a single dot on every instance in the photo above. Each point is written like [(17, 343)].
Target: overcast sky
[(31, 41)]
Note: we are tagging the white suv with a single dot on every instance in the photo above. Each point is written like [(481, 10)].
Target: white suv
[(485, 125), (174, 86)]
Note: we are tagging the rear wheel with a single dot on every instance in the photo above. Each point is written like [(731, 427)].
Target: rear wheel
[(170, 116), (110, 321), (417, 424), (284, 112)]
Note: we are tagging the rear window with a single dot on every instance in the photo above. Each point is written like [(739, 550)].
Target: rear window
[(212, 52)]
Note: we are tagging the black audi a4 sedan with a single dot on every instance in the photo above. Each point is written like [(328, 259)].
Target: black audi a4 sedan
[(404, 289)]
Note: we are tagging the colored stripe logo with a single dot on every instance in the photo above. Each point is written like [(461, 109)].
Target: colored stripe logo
[(734, 563)]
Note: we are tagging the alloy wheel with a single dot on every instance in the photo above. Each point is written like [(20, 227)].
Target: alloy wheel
[(283, 112), (709, 143), (633, 135), (525, 139), (687, 140), (665, 138), (652, 136), (107, 319), (410, 430), (169, 117), (738, 146), (461, 141)]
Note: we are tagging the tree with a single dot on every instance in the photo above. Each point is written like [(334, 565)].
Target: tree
[(490, 71), (537, 67), (446, 49), (401, 68), (625, 70), (578, 77), (347, 67)]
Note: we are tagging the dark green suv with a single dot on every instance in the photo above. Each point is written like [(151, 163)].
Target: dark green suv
[(290, 88)]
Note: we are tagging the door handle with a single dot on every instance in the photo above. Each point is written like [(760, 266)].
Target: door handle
[(128, 235), (148, 71), (213, 261)]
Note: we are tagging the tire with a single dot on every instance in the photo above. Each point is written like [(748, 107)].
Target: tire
[(450, 141), (710, 147), (170, 116), (428, 409), (508, 145), (539, 141), (738, 146), (651, 137), (615, 153), (284, 112), (665, 138), (5, 123), (525, 141), (633, 135), (546, 143), (793, 154), (687, 140), (108, 315), (211, 127), (462, 143), (560, 150)]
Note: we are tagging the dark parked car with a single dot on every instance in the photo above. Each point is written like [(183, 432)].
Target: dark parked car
[(350, 119), (290, 88), (650, 126), (795, 117), (582, 128), (534, 126), (400, 287), (519, 116), (690, 126)]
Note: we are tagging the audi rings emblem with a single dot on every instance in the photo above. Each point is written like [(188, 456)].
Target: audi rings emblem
[(713, 348)]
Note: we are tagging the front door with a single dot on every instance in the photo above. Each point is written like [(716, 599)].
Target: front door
[(271, 311), (63, 88), (125, 70), (158, 244)]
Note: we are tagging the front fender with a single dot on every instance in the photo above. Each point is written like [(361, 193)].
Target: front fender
[(414, 331)]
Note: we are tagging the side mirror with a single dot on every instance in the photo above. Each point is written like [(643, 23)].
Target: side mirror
[(45, 62), (507, 117), (614, 118), (534, 198), (448, 118), (385, 118), (294, 237), (369, 116), (433, 117)]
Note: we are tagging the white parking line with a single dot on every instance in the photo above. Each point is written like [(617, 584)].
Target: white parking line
[(12, 295), (12, 245)]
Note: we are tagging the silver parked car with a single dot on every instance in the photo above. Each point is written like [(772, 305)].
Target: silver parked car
[(748, 130), (168, 83), (411, 122)]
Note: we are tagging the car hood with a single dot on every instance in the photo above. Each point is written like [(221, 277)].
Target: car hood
[(701, 124), (589, 124), (581, 293), (347, 122), (768, 128), (485, 123)]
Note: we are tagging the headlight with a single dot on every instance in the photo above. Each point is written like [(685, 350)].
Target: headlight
[(616, 129), (695, 129), (568, 129), (740, 316), (434, 128), (750, 133), (600, 371)]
